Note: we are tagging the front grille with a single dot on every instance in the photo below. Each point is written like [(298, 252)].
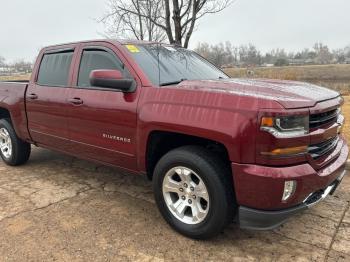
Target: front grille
[(318, 150), (317, 120)]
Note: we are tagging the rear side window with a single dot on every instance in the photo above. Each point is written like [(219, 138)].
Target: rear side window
[(54, 69), (98, 59)]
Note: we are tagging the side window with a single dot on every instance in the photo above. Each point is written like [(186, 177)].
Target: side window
[(98, 59), (54, 69)]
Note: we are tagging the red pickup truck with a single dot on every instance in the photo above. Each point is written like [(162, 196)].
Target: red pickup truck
[(217, 149)]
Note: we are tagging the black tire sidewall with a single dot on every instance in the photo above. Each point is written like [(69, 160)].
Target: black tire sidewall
[(5, 124), (218, 208)]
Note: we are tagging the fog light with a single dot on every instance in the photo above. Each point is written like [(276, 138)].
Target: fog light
[(289, 189)]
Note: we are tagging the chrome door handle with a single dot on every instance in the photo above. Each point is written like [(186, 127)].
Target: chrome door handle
[(75, 101), (33, 96)]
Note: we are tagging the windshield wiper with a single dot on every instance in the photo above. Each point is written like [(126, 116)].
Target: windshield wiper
[(173, 82)]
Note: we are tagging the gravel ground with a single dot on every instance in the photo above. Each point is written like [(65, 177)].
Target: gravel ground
[(60, 208)]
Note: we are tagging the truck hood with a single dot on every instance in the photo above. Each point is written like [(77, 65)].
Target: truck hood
[(289, 94)]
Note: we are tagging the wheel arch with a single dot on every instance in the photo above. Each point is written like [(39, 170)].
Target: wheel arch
[(161, 142), (5, 114)]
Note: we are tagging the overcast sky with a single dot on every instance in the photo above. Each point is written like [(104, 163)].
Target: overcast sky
[(28, 25)]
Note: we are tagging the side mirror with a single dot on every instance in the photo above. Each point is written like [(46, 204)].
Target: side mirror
[(112, 79)]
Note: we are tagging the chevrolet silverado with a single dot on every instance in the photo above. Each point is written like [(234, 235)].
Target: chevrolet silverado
[(218, 150)]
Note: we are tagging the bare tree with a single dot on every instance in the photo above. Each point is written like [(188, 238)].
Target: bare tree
[(249, 55), (339, 55), (204, 49), (159, 19), (2, 61), (347, 51), (22, 66), (324, 56), (222, 54), (134, 19)]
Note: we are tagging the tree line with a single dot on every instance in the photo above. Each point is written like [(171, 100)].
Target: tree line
[(19, 66), (228, 55)]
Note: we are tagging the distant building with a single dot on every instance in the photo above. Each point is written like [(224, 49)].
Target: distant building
[(267, 65), (228, 66), (310, 61), (296, 61), (5, 71), (300, 61), (347, 61)]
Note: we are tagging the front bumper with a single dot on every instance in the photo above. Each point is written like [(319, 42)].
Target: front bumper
[(259, 189), (255, 219)]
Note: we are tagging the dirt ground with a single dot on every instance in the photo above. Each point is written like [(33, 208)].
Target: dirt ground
[(58, 208)]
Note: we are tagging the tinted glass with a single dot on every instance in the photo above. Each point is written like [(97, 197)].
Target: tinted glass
[(165, 64), (95, 60), (54, 69)]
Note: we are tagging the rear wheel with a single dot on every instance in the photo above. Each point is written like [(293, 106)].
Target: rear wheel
[(13, 150), (194, 192)]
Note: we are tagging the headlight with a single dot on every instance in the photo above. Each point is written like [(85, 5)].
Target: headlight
[(286, 126)]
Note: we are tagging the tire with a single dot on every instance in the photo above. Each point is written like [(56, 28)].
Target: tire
[(18, 151), (215, 210)]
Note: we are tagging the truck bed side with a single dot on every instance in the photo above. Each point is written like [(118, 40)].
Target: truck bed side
[(12, 102)]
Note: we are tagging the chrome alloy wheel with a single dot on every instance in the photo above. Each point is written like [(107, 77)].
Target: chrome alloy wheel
[(186, 195), (5, 143)]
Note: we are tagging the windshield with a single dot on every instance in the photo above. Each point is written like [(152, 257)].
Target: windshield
[(175, 64)]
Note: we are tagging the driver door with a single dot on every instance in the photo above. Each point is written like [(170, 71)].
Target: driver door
[(102, 122)]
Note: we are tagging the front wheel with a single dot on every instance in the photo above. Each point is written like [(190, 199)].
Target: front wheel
[(194, 192), (13, 150)]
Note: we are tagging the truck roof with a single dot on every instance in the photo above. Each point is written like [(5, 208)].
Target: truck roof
[(113, 41)]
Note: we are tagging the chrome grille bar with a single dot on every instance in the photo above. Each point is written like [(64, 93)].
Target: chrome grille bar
[(320, 119), (318, 150)]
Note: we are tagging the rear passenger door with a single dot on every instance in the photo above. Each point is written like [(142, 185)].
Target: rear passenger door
[(46, 99), (102, 125)]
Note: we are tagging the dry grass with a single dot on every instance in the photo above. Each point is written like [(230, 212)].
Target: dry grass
[(336, 77), (15, 77), (346, 112), (316, 72)]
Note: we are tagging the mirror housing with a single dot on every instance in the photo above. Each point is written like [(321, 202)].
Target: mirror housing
[(111, 79)]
